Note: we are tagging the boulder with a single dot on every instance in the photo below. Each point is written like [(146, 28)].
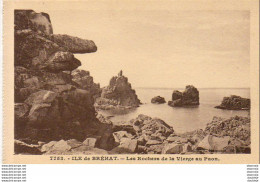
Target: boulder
[(127, 145), (149, 126), (234, 103), (121, 134), (213, 143), (158, 100), (190, 97), (47, 147), (74, 44), (61, 61)]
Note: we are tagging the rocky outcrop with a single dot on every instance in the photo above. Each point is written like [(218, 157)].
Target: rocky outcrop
[(234, 103), (118, 94), (85, 81), (51, 104), (158, 100), (146, 135), (190, 97)]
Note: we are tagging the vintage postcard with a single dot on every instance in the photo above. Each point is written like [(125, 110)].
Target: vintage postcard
[(131, 82)]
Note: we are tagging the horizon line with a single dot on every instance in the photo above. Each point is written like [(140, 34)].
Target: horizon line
[(197, 87)]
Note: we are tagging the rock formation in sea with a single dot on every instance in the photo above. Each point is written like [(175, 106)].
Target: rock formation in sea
[(189, 97), (158, 100), (118, 94), (234, 103), (51, 103)]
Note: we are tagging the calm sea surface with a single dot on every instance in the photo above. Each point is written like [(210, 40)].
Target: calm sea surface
[(181, 119)]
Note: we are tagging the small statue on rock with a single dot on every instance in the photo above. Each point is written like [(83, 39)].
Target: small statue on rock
[(120, 73)]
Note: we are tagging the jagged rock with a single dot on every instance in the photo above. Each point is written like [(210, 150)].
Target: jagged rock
[(85, 81), (158, 100), (61, 61), (74, 44), (189, 97), (118, 93), (172, 148), (234, 103), (28, 19)]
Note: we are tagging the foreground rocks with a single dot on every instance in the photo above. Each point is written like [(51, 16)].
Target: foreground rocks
[(158, 100), (190, 97), (234, 103), (146, 135), (51, 103), (118, 94)]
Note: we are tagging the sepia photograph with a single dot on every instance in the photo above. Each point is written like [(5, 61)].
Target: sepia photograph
[(131, 82)]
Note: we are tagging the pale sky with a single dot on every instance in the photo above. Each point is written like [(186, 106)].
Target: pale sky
[(169, 49)]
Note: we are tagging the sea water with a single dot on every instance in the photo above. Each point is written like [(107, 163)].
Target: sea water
[(182, 119)]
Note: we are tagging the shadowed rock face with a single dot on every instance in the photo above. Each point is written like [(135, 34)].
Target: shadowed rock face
[(190, 97), (85, 81), (234, 103), (118, 93), (50, 103)]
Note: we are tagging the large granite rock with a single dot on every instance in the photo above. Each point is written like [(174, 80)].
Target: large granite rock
[(234, 103), (74, 44), (118, 93), (50, 103), (28, 19), (158, 100), (190, 97)]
